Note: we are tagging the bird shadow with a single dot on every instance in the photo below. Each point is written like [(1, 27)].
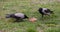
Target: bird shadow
[(18, 21), (44, 19)]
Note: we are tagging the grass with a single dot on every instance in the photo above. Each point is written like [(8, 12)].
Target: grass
[(49, 24)]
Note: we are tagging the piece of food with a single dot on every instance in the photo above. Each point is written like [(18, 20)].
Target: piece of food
[(32, 19)]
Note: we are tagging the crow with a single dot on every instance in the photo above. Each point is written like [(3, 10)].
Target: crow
[(45, 11), (17, 16)]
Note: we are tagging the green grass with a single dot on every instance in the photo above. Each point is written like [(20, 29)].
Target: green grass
[(30, 8), (52, 30)]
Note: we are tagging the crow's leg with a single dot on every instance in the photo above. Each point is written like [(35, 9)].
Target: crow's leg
[(17, 20), (42, 17)]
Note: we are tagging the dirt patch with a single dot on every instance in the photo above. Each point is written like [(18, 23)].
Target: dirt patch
[(42, 1), (58, 0)]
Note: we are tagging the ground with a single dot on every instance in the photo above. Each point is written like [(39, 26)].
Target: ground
[(30, 8)]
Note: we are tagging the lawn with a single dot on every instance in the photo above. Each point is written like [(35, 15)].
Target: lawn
[(30, 8)]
